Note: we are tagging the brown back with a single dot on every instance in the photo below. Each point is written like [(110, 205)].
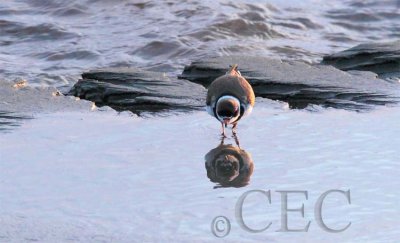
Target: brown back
[(231, 84)]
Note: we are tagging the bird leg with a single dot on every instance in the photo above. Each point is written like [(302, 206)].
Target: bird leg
[(223, 130), (234, 128)]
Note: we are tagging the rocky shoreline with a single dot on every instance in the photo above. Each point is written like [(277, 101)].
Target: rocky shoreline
[(300, 84), (297, 83), (380, 58), (368, 77), (138, 90)]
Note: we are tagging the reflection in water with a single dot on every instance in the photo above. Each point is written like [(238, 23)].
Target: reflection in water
[(9, 120), (228, 165)]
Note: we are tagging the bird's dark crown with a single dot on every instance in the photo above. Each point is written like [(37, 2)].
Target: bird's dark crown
[(227, 108)]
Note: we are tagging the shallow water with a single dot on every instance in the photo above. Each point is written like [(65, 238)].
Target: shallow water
[(100, 176), (11, 120), (53, 42)]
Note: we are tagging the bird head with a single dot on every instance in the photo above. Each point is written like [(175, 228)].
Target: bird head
[(233, 70), (228, 109)]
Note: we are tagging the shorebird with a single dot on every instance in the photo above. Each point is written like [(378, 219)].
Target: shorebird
[(230, 98)]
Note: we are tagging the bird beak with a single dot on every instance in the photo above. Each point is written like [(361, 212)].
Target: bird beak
[(226, 121)]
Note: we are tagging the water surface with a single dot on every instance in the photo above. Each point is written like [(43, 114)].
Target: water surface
[(53, 42), (106, 177)]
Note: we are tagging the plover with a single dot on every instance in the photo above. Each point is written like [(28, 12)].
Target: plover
[(230, 98)]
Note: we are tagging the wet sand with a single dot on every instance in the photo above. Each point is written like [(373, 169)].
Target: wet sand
[(104, 176)]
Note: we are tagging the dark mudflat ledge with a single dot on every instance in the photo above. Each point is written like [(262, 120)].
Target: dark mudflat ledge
[(300, 84), (380, 58), (19, 102), (138, 90)]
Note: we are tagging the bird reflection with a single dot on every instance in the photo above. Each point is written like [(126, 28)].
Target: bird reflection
[(228, 165)]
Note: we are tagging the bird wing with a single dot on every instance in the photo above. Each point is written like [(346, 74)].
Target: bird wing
[(230, 85)]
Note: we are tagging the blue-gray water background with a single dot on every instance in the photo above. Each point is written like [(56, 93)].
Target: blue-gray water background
[(52, 42)]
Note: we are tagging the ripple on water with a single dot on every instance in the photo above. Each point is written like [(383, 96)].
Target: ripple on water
[(10, 120), (62, 55), (40, 32), (236, 28), (168, 49)]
